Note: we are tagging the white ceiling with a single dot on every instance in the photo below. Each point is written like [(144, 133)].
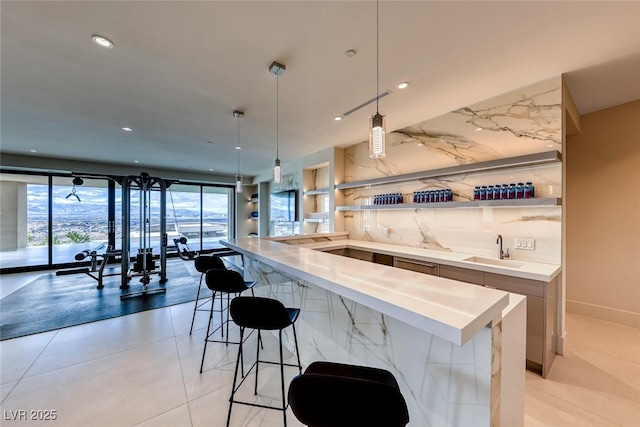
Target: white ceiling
[(179, 69)]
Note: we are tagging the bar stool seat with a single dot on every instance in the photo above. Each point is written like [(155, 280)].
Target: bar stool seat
[(203, 263), (331, 394), (261, 314), (223, 282)]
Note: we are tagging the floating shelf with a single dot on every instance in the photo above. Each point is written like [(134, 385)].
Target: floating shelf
[(316, 192), (316, 220), (535, 202), (491, 165)]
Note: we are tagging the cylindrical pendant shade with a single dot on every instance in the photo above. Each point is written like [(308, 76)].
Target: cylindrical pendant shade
[(277, 172), (239, 184), (377, 131)]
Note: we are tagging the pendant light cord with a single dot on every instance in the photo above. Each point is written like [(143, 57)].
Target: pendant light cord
[(277, 115), (377, 55), (238, 147)]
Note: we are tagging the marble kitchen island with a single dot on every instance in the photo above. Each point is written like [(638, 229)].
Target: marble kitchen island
[(456, 349)]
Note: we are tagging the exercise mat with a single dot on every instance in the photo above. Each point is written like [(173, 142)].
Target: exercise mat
[(53, 302)]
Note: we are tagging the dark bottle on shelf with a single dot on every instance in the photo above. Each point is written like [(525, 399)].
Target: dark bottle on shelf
[(489, 192), (504, 191), (512, 191), (483, 192), (520, 190), (530, 190), (476, 193), (496, 192)]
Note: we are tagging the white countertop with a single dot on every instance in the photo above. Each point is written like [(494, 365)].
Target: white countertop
[(514, 268), (449, 309)]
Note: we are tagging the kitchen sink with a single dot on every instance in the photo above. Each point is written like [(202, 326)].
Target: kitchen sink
[(494, 261)]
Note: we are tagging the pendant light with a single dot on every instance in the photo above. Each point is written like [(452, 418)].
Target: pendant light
[(377, 127), (277, 69), (238, 114)]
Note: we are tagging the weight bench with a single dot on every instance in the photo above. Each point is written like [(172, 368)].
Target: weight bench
[(94, 264)]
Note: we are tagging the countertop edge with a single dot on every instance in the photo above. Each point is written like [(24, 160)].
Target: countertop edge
[(457, 334), (398, 250)]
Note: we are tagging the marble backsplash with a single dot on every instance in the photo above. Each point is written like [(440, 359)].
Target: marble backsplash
[(521, 122), (525, 121)]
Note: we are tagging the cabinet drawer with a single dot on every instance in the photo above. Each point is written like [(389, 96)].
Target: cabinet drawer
[(515, 284), (383, 259), (358, 254), (341, 252), (416, 265), (462, 274)]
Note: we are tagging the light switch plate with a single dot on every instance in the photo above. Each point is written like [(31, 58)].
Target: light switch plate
[(525, 244)]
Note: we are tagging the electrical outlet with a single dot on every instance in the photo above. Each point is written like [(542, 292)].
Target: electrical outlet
[(525, 244)]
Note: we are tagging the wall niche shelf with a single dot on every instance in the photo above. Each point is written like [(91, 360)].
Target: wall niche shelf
[(491, 165), (535, 202), (316, 220), (316, 192)]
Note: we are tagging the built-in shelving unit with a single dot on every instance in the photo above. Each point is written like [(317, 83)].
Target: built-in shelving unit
[(491, 165), (535, 202), (523, 161)]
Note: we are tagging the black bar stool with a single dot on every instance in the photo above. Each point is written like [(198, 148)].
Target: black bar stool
[(332, 394), (222, 281), (262, 314), (202, 264)]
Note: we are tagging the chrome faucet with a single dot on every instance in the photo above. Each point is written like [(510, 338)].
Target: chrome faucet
[(502, 254)]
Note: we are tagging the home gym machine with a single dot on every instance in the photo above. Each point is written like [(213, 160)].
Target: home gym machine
[(144, 264)]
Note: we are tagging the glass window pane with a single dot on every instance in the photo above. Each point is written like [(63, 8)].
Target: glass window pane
[(80, 217), (24, 232), (216, 216), (183, 214)]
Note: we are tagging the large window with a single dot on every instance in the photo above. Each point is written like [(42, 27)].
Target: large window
[(216, 216), (79, 217), (199, 213), (24, 220), (45, 220)]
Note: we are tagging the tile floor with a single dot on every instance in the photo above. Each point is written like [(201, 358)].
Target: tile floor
[(143, 370)]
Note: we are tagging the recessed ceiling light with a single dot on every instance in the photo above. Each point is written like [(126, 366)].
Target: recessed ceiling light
[(136, 161), (550, 145), (403, 85), (102, 41), (350, 53), (338, 118), (478, 129), (210, 169), (420, 144), (238, 148), (127, 129), (33, 151)]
